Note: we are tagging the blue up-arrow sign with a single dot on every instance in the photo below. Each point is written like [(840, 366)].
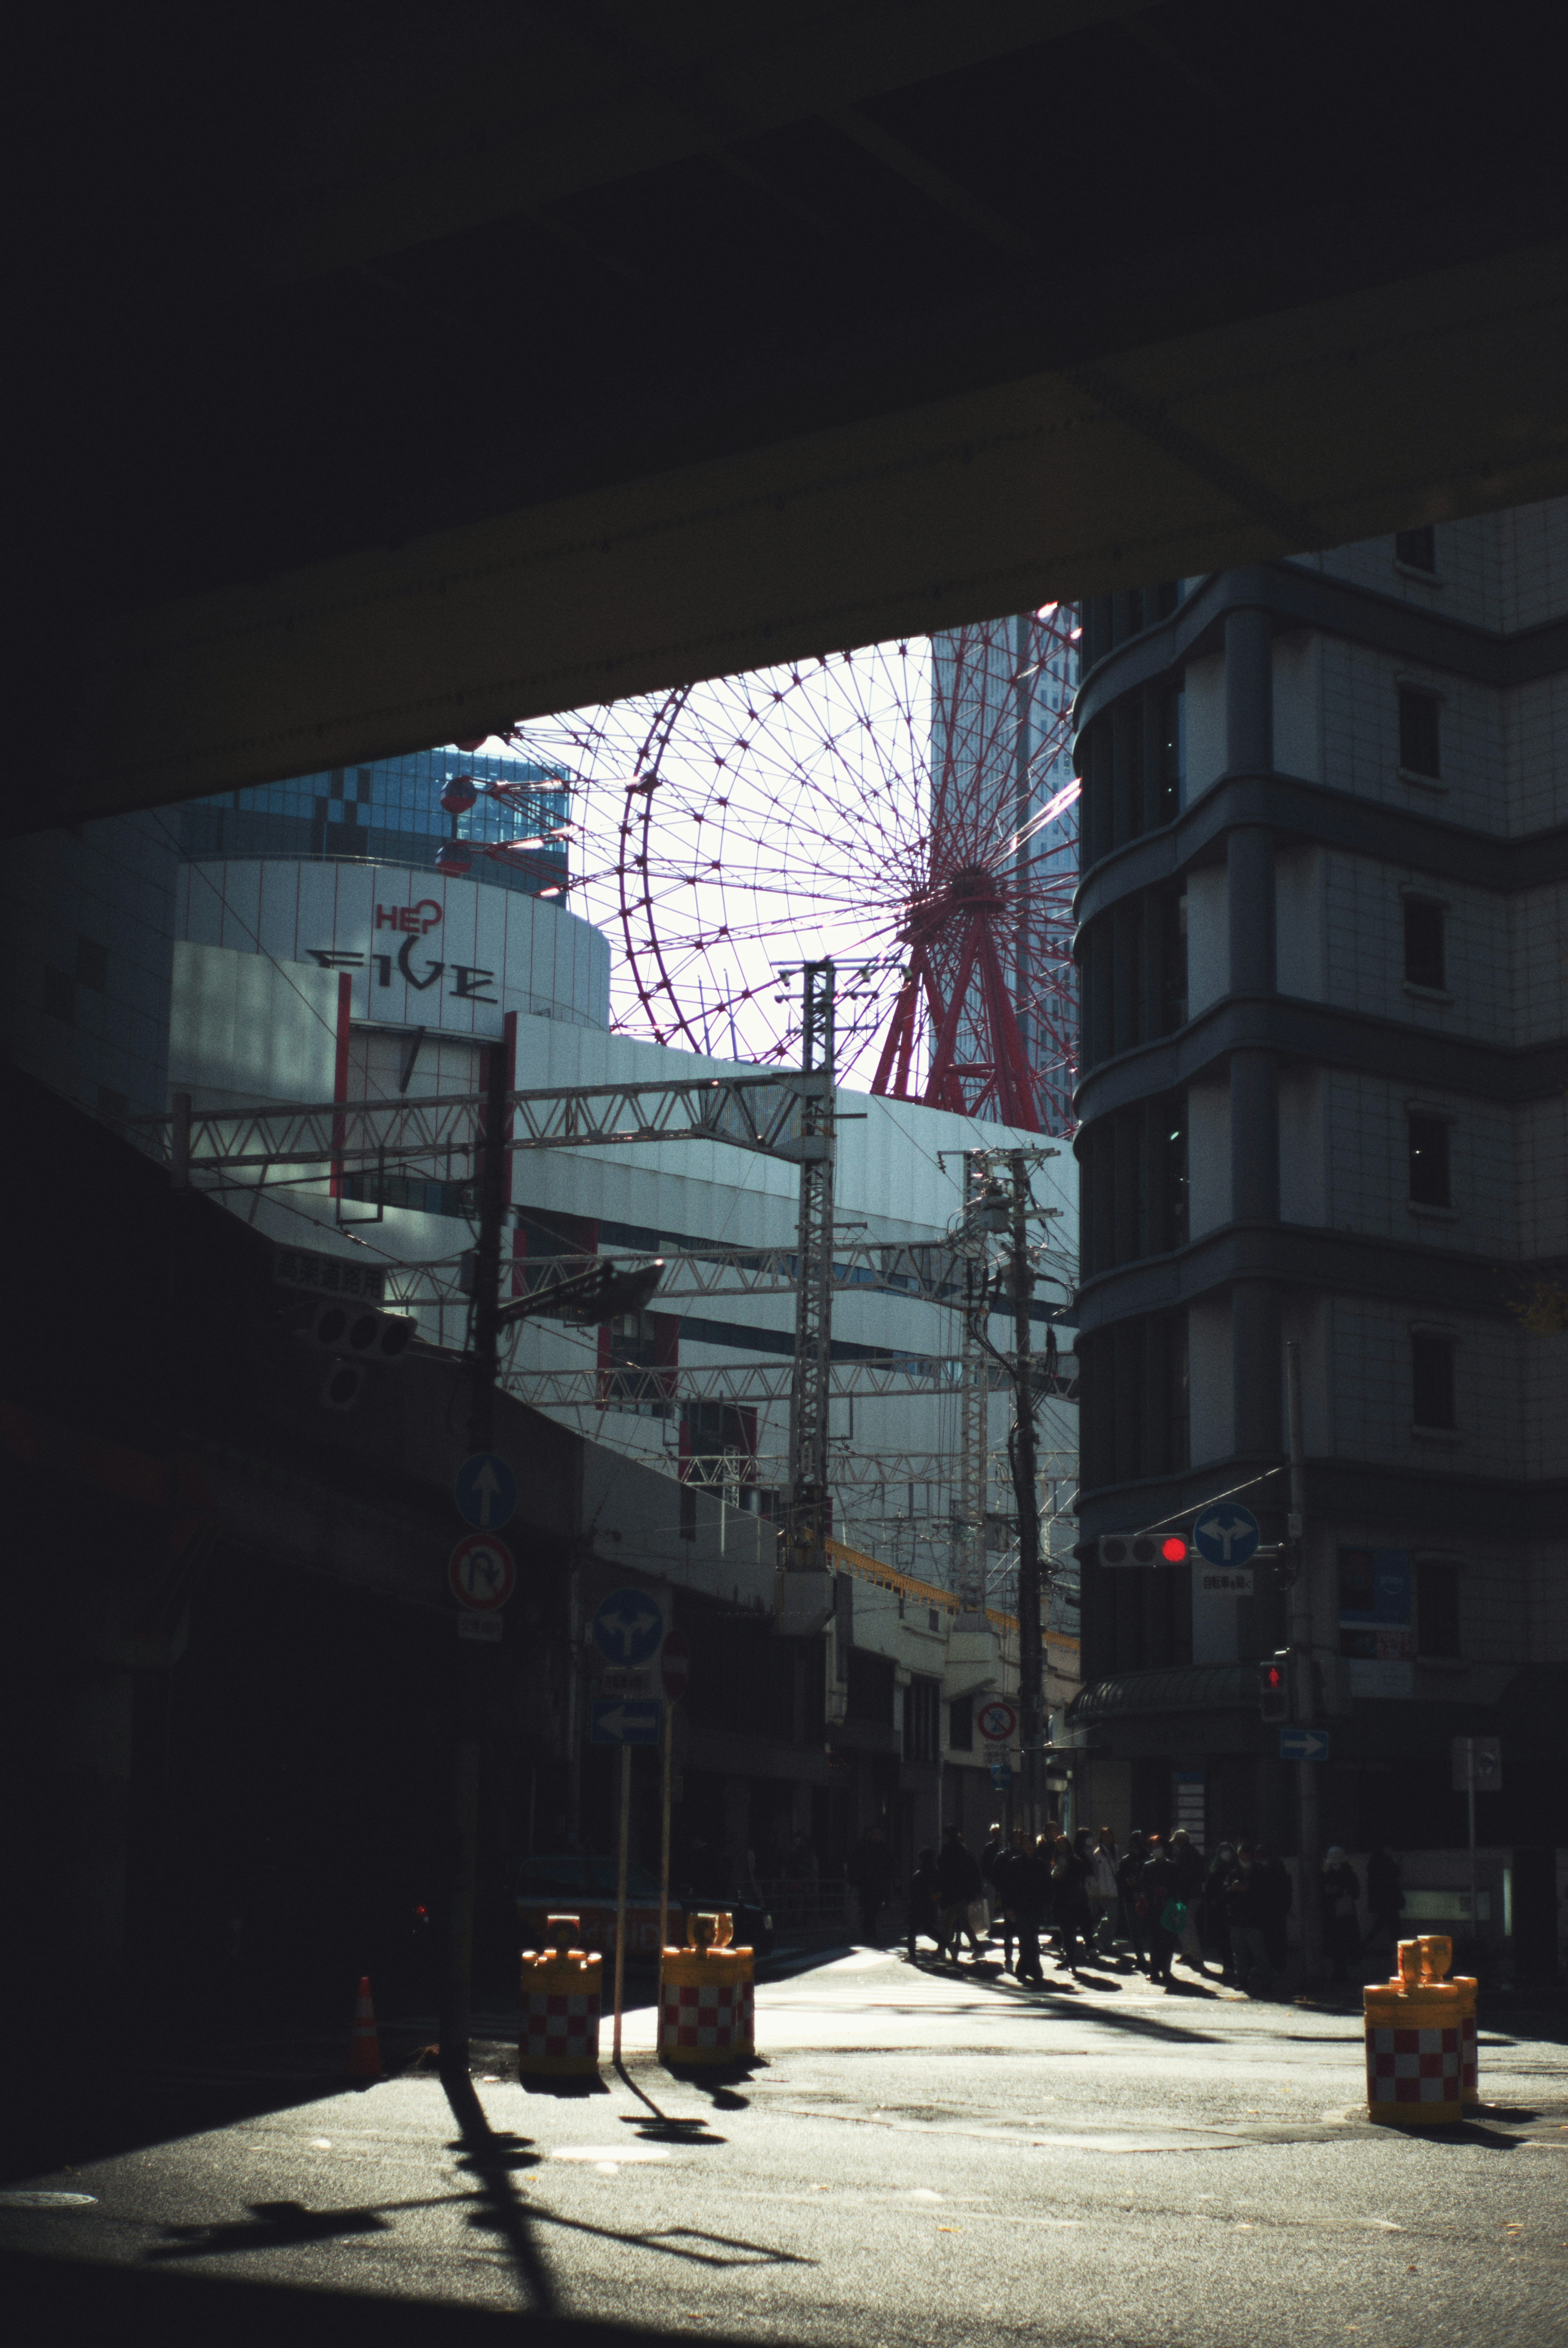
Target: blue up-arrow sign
[(628, 1628), (1304, 1744), (1224, 1534), (486, 1491), (624, 1720)]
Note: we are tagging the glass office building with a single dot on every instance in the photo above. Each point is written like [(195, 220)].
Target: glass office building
[(391, 812)]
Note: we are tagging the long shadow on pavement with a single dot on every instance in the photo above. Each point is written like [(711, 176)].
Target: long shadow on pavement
[(47, 2299)]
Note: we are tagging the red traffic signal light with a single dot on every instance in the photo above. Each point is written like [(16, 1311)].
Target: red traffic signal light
[(1173, 1550), (1274, 1690)]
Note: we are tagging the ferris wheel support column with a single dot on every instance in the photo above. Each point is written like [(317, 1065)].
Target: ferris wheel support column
[(806, 1514)]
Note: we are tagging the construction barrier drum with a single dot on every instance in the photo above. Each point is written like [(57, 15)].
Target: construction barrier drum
[(706, 1994), (1415, 2039), (1437, 1955), (558, 2035)]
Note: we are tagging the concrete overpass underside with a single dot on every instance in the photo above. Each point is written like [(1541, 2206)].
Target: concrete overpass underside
[(388, 387)]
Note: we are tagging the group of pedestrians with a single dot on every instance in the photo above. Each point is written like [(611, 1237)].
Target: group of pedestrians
[(1160, 1898)]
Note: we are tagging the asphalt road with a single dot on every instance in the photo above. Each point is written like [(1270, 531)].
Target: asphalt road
[(919, 2155)]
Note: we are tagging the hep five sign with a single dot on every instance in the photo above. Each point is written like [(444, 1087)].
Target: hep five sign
[(411, 920)]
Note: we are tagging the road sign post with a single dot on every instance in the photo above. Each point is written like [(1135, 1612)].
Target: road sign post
[(621, 1899), (1477, 1768), (674, 1663)]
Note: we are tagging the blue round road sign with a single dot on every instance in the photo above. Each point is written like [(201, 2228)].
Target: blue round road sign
[(1226, 1534), (486, 1491), (629, 1627)]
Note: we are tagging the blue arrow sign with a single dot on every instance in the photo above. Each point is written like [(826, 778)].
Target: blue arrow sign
[(1224, 1534), (624, 1720), (1001, 1776), (486, 1491), (629, 1627), (1304, 1744)]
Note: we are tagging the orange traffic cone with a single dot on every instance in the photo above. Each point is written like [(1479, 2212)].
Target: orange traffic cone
[(364, 2045)]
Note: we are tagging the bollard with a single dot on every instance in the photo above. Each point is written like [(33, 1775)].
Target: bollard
[(1437, 1957), (558, 2035), (706, 1996), (1415, 2039)]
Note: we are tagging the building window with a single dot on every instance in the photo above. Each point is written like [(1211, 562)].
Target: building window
[(1429, 1161), (1437, 1607), (1432, 1380), (1425, 963), (922, 1719), (870, 1693), (1418, 733), (961, 1724), (1417, 548)]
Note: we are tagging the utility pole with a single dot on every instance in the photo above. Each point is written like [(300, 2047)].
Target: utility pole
[(806, 1516), (1305, 1675), (1031, 1678), (974, 1392), (492, 1171)]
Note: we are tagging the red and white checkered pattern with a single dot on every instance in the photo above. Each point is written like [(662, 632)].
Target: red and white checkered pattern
[(560, 2023), (706, 2020), (746, 2021), (1469, 2060), (1413, 2066)]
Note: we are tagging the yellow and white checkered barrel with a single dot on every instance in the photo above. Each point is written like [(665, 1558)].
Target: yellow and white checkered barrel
[(562, 1997), (707, 1997), (1420, 2030)]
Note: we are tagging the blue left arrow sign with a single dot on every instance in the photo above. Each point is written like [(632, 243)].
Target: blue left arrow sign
[(624, 1720), (486, 1491)]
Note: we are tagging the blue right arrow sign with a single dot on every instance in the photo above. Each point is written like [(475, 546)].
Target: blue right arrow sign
[(1304, 1744)]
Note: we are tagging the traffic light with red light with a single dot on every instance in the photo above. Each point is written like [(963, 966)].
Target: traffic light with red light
[(1273, 1688), (1143, 1549)]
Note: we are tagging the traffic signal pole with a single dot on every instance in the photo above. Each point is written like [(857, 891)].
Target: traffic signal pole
[(484, 1361), (1030, 1676), (1305, 1677)]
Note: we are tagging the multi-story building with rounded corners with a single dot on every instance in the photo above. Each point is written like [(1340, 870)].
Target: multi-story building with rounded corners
[(1324, 950)]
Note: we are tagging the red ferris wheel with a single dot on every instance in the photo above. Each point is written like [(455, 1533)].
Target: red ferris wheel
[(905, 809)]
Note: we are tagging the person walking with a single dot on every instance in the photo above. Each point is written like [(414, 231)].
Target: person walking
[(1104, 1893), (1159, 1889), (1134, 1904), (1029, 1889), (1188, 1866), (1339, 1889), (992, 1857), (1385, 1898), (923, 1914), (1244, 1895), (960, 1884), (871, 1872), (1213, 1919), (1278, 1896), (1006, 1898), (1070, 1902)]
